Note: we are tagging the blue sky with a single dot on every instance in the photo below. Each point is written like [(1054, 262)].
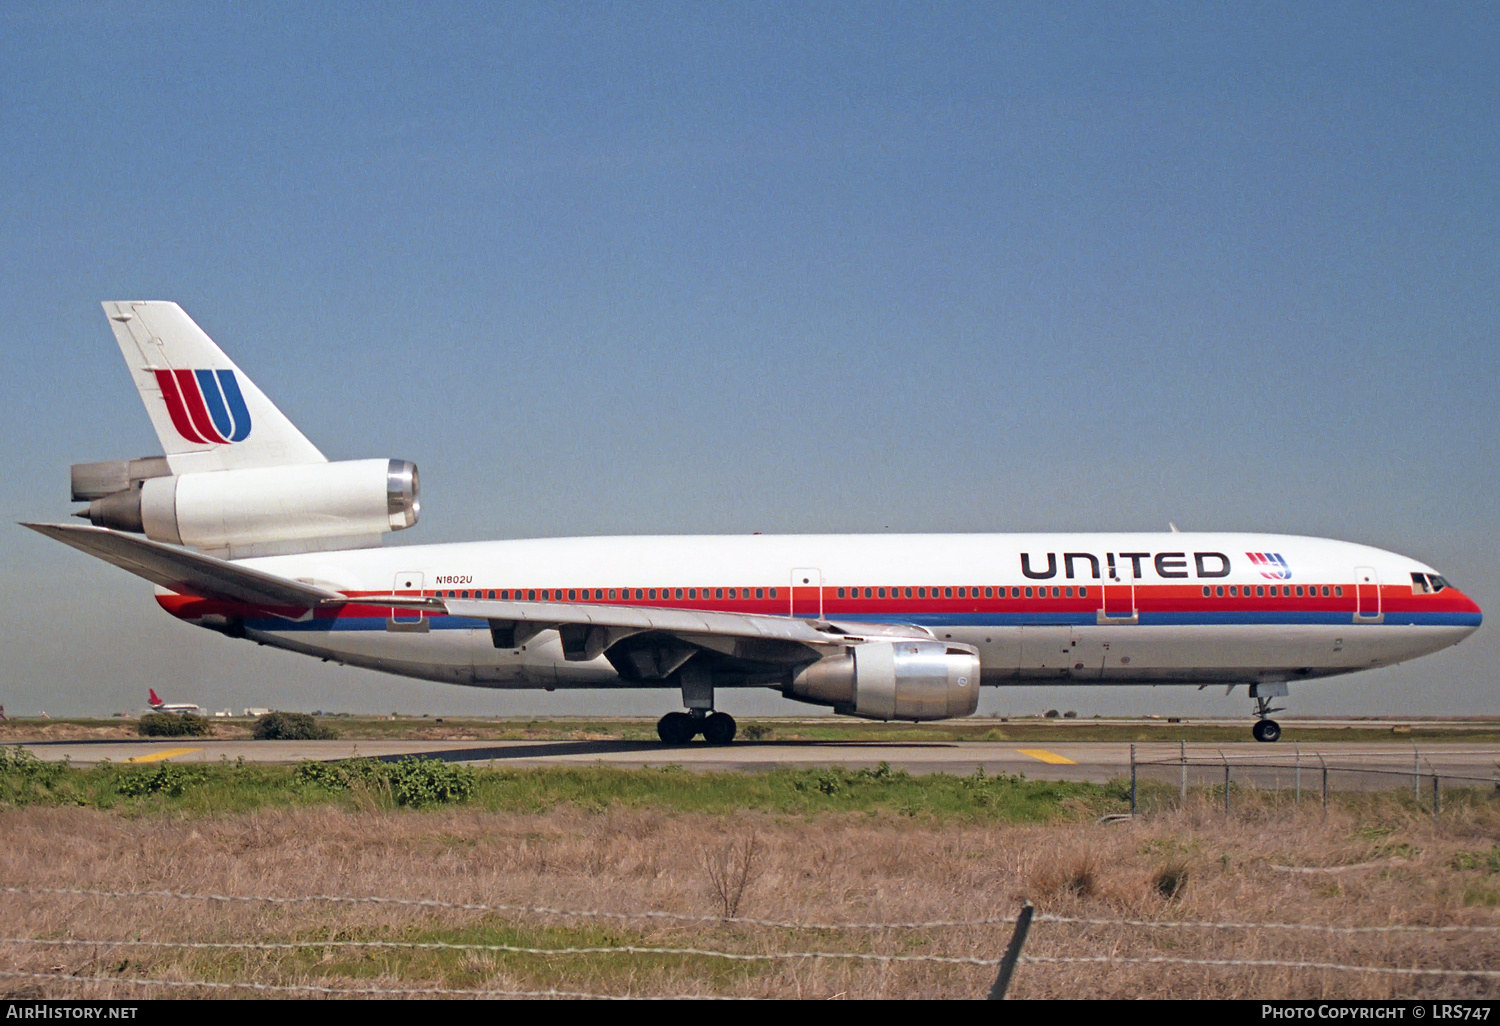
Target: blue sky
[(725, 268)]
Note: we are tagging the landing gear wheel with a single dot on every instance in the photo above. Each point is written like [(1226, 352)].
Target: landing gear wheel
[(676, 728), (718, 729), (1266, 730)]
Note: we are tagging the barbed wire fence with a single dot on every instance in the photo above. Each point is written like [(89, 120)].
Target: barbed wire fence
[(1005, 965)]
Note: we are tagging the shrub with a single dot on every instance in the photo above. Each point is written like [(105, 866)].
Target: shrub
[(172, 725), (344, 774), (418, 782), (285, 726), (164, 779)]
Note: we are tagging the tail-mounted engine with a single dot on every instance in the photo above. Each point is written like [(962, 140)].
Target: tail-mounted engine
[(902, 680), (257, 511)]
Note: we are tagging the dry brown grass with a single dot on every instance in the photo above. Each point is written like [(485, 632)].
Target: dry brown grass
[(834, 868)]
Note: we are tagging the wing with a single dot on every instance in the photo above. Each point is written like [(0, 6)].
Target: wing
[(652, 643)]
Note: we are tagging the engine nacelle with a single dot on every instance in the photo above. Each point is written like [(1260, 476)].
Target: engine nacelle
[(269, 510), (900, 680)]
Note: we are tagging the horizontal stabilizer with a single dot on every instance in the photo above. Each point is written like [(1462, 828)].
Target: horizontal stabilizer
[(189, 573)]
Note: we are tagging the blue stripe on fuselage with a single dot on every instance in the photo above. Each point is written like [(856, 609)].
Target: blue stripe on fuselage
[(1147, 618)]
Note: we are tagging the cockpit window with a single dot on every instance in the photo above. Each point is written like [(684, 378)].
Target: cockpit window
[(1428, 584)]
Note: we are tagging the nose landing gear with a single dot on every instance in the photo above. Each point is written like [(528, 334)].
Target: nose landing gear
[(678, 728)]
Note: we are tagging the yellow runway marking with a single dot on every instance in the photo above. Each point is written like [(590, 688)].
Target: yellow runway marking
[(1042, 755), (159, 756)]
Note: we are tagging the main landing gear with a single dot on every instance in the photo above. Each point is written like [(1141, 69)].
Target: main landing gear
[(1267, 729), (678, 728)]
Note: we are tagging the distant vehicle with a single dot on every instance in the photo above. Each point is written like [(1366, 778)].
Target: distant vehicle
[(255, 711), (250, 531), (157, 705)]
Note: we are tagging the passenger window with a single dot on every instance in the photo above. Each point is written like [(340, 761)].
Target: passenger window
[(1056, 592), (908, 593), (921, 593), (1083, 593), (948, 593), (1068, 592), (761, 592), (1325, 591), (492, 595), (1028, 593), (1338, 590), (1206, 591), (718, 593), (611, 594), (989, 592), (677, 593), (572, 595), (1234, 592), (882, 593), (841, 593), (1299, 591), (867, 593), (651, 594), (733, 593), (1219, 591), (1016, 592)]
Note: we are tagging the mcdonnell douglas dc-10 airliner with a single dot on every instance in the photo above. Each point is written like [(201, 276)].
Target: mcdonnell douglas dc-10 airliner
[(247, 529)]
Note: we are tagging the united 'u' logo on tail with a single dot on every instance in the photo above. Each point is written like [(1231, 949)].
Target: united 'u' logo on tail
[(205, 405), (1273, 566)]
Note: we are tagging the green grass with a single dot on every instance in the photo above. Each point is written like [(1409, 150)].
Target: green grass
[(604, 971), (229, 787)]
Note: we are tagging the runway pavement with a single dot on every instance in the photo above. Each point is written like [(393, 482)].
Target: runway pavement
[(1360, 765)]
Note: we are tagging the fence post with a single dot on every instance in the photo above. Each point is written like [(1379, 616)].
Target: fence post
[(1132, 780), (1226, 783), (1416, 776), (1325, 782), (1437, 797), (1012, 953), (1182, 788), (1299, 774)]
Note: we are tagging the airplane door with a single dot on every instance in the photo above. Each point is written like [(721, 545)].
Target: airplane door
[(1117, 603), (408, 582), (807, 593), (1367, 596)]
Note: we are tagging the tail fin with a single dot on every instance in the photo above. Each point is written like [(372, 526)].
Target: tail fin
[(154, 700), (207, 413)]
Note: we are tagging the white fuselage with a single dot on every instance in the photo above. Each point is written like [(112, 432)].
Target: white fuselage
[(1045, 608)]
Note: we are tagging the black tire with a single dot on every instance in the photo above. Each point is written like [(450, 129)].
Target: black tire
[(676, 728), (1267, 731), (718, 729)]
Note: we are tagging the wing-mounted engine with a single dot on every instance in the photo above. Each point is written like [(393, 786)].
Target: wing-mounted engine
[(900, 680), (255, 511)]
